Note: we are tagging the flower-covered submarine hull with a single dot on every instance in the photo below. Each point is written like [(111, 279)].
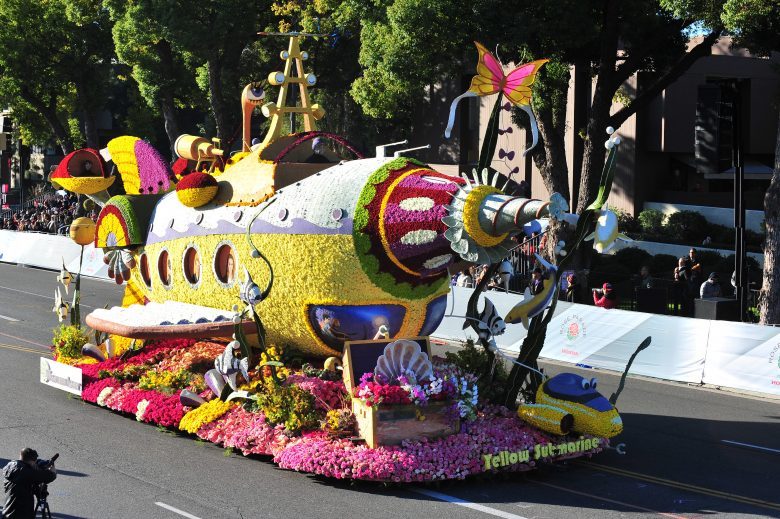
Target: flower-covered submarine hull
[(358, 247)]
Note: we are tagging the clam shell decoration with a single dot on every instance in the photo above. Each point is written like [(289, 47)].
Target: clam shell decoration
[(402, 357)]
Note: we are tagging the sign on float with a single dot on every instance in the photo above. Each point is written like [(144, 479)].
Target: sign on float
[(62, 376)]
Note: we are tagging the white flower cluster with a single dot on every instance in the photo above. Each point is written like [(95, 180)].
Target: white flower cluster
[(141, 410), (103, 396), (468, 396)]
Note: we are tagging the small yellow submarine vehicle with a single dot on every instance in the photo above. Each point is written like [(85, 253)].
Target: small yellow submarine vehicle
[(352, 246), (568, 403)]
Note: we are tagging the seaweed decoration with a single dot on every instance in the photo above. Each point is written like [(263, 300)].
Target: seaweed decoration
[(521, 378)]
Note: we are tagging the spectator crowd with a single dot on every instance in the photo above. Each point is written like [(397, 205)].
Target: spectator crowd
[(50, 213)]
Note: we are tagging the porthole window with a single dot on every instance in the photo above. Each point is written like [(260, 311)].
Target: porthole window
[(191, 265), (145, 275), (225, 264), (164, 268)]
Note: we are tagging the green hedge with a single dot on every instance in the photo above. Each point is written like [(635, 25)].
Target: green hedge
[(687, 228)]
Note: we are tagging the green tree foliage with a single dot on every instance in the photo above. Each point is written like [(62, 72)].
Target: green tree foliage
[(408, 45), (55, 61), (181, 52), (164, 81)]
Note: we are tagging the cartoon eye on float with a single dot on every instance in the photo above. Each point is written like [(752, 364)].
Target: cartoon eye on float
[(585, 384)]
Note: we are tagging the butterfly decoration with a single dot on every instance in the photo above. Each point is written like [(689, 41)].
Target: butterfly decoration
[(490, 79), (508, 130), (503, 154)]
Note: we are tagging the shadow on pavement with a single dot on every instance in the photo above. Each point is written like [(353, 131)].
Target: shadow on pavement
[(71, 473)]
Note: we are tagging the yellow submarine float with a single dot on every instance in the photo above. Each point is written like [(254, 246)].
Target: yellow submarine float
[(352, 246)]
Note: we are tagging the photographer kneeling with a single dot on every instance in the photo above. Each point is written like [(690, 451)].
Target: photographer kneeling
[(22, 478)]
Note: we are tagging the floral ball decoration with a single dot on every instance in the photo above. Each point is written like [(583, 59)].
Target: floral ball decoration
[(196, 189), (82, 231)]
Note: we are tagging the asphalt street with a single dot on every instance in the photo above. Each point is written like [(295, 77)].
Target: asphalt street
[(689, 452)]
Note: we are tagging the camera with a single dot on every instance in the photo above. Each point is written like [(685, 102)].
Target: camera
[(41, 490)]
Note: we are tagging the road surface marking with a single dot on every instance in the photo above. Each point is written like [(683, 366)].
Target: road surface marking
[(25, 340), (20, 348), (466, 504), (732, 442), (176, 510), (608, 500), (9, 318), (682, 486), (51, 297)]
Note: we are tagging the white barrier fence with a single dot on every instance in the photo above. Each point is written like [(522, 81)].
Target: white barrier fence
[(737, 355), (722, 353), (49, 251)]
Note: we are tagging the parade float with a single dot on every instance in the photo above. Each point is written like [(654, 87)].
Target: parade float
[(278, 301)]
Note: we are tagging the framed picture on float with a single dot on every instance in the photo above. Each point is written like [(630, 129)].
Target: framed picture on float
[(360, 357)]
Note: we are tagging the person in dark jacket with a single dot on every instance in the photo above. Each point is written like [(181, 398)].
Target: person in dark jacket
[(572, 289), (21, 476)]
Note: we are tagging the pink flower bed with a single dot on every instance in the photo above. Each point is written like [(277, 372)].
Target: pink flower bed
[(495, 430), (457, 456)]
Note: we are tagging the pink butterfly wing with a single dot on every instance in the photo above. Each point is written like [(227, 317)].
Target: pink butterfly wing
[(518, 82), (489, 73)]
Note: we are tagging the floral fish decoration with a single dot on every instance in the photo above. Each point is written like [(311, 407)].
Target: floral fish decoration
[(490, 322), (228, 365), (61, 307), (65, 277), (490, 79), (606, 233), (249, 292), (533, 305)]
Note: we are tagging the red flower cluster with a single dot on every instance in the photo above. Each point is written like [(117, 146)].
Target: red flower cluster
[(373, 394)]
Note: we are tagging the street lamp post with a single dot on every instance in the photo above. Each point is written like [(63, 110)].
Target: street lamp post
[(738, 163)]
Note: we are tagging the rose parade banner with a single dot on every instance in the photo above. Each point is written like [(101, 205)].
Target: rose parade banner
[(743, 356)]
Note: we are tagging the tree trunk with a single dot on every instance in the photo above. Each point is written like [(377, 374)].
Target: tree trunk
[(216, 98), (593, 153), (49, 113), (167, 104), (171, 121), (551, 159), (90, 129), (769, 303), (90, 120)]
